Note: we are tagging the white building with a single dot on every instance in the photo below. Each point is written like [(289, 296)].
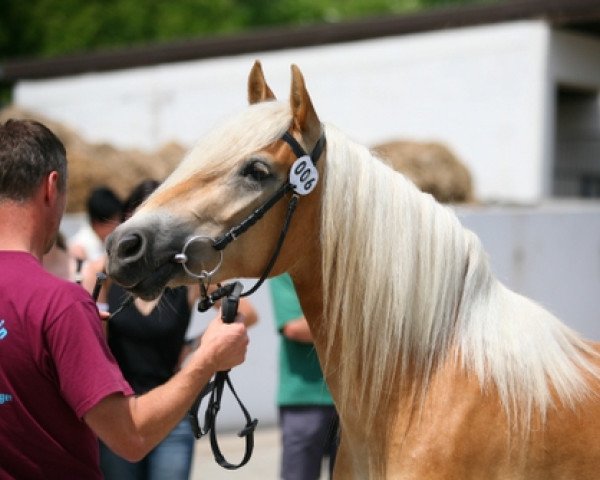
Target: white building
[(511, 88)]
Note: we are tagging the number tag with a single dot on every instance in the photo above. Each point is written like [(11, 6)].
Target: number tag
[(304, 175)]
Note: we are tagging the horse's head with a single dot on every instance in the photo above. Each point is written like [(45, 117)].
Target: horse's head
[(225, 177)]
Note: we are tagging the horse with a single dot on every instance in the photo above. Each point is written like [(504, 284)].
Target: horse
[(437, 370)]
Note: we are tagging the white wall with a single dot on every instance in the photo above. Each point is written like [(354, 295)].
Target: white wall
[(483, 90), (550, 253)]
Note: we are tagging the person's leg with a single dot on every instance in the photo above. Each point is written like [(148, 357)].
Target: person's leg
[(305, 433), (117, 468), (172, 458), (333, 441)]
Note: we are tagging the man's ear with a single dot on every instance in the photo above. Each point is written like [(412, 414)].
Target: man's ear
[(51, 186)]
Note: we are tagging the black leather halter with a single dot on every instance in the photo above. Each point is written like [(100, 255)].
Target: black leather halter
[(232, 292), (221, 242)]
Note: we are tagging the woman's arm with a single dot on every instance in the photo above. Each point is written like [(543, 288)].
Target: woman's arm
[(248, 312), (298, 330)]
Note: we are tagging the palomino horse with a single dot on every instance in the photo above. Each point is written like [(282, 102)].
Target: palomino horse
[(438, 371)]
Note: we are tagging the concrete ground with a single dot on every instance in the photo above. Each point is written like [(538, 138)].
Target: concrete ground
[(263, 465)]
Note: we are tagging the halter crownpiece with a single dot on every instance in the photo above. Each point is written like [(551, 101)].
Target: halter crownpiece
[(221, 242)]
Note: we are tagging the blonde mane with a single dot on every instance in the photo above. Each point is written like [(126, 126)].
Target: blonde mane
[(406, 286)]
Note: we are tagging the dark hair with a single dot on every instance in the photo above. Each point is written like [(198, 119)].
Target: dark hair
[(139, 193), (103, 205), (28, 152)]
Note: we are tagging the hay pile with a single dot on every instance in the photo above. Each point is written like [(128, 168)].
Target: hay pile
[(92, 165), (431, 166)]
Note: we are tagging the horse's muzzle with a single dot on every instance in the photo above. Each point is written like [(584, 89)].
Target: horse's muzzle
[(141, 259)]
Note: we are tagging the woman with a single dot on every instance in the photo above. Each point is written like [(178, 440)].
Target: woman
[(148, 341)]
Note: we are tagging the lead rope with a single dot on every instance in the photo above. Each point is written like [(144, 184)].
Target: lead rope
[(215, 389), (232, 292)]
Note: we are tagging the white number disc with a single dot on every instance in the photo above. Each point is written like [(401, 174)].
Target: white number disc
[(304, 175)]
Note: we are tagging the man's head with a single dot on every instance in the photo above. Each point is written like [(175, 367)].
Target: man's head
[(104, 211), (29, 151), (33, 180)]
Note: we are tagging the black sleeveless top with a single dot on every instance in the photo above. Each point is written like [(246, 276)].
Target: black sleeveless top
[(147, 348)]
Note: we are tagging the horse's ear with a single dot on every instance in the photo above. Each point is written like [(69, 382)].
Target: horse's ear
[(305, 118), (258, 90)]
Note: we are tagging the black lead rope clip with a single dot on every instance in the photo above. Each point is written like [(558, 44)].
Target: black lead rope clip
[(230, 293), (100, 279), (208, 300)]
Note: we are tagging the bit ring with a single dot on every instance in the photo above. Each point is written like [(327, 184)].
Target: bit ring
[(182, 258)]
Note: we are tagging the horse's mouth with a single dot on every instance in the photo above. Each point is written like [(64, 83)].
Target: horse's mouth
[(151, 287)]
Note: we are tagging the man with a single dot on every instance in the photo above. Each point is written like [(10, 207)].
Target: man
[(60, 387), (104, 214), (307, 417)]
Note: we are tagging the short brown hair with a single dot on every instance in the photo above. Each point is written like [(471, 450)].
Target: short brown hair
[(28, 152)]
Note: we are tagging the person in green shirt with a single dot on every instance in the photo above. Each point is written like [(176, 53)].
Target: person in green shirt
[(307, 417)]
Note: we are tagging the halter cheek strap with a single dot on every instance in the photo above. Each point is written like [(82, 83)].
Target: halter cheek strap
[(221, 242)]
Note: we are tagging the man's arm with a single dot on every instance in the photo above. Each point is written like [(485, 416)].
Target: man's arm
[(132, 426)]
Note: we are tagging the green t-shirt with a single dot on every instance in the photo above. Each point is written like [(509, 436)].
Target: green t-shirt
[(300, 377)]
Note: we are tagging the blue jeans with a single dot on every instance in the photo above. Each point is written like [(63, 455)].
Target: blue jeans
[(171, 459)]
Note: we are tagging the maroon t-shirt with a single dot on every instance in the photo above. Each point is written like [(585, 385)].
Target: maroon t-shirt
[(54, 367)]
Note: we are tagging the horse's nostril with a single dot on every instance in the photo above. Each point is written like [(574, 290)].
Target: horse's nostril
[(129, 246)]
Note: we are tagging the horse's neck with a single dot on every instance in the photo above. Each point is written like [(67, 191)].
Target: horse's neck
[(309, 287), (308, 282), (306, 269)]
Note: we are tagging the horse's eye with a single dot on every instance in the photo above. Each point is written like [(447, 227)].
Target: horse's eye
[(256, 170)]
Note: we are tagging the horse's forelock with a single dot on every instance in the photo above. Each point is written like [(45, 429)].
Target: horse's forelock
[(234, 139)]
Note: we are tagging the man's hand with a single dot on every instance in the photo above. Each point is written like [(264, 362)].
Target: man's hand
[(223, 346)]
